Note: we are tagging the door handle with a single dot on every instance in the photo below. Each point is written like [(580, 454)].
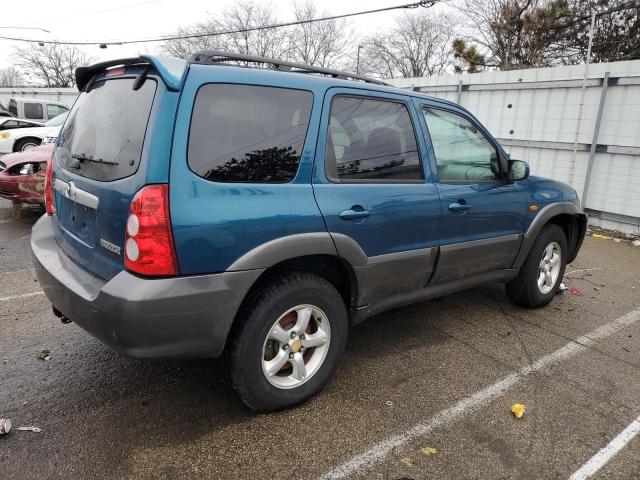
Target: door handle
[(459, 207), (356, 212)]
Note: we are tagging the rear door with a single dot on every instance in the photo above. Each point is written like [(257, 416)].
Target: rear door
[(373, 189), (483, 216), (102, 158)]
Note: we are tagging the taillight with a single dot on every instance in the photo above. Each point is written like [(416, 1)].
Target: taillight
[(48, 189), (148, 244)]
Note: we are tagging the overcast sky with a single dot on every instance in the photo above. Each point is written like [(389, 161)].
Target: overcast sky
[(121, 20)]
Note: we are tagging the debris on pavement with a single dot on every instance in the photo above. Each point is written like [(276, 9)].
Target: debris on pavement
[(517, 409), (600, 236), (29, 429), (576, 292), (562, 288), (5, 426), (44, 355), (429, 450), (389, 403), (636, 243), (407, 461)]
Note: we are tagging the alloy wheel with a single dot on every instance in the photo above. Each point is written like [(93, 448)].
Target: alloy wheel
[(549, 267), (296, 346)]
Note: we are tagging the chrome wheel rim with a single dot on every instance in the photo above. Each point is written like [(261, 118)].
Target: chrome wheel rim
[(549, 267), (296, 346)]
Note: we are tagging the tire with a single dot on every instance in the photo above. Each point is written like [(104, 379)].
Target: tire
[(254, 349), (525, 289), (27, 144)]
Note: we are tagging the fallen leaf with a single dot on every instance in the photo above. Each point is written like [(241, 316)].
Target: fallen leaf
[(429, 450), (576, 292), (517, 409), (600, 236)]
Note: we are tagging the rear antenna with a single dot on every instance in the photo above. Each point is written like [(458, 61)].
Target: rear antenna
[(140, 79)]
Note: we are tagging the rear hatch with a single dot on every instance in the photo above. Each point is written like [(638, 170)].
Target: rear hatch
[(102, 159)]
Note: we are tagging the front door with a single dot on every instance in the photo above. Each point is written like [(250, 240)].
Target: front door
[(369, 182), (483, 215)]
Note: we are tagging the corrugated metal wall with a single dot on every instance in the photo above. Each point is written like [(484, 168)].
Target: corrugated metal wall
[(534, 113), (62, 95)]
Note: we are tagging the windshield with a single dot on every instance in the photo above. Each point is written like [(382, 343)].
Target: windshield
[(57, 120), (103, 136)]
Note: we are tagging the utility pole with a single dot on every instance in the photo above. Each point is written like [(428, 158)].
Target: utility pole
[(360, 47)]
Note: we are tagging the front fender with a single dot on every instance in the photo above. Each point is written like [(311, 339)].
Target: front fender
[(542, 218)]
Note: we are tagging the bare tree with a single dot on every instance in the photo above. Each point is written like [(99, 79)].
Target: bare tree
[(246, 14), (513, 34), (10, 77), (184, 48), (323, 44), (271, 42), (52, 64), (418, 45)]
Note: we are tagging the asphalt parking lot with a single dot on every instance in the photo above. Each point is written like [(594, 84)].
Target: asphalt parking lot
[(423, 392)]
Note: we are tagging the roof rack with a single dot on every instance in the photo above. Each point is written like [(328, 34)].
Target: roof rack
[(216, 57)]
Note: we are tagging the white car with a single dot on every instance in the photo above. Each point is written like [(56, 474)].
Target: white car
[(9, 123), (21, 139)]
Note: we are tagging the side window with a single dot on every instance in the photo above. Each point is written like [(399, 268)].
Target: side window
[(33, 110), (371, 140), (13, 107), (245, 133), (10, 124), (463, 153), (54, 110)]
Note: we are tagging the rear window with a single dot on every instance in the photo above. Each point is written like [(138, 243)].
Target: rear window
[(104, 133), (245, 133)]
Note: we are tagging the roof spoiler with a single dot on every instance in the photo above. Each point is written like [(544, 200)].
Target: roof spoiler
[(170, 69)]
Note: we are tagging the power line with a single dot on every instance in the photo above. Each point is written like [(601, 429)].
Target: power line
[(422, 3)]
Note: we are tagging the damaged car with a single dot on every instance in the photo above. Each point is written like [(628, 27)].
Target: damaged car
[(22, 176)]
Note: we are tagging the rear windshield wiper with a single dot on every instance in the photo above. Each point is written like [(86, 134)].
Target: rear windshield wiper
[(83, 158)]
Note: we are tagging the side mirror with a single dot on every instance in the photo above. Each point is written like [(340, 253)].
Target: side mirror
[(518, 170)]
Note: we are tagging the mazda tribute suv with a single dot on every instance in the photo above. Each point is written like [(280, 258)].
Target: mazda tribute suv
[(256, 208)]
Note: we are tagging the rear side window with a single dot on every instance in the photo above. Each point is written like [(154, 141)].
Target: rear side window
[(246, 133), (13, 107), (104, 133), (371, 140), (33, 110)]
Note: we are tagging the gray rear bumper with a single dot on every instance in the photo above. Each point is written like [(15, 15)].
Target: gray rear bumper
[(170, 317)]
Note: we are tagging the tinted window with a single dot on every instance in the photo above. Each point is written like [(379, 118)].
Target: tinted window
[(462, 151), (13, 107), (104, 132), (371, 140), (33, 110), (55, 110), (242, 133)]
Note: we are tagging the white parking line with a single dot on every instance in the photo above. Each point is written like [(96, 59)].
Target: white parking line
[(24, 295), (600, 459), (378, 452)]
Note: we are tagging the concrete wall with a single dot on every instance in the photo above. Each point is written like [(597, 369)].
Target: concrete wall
[(536, 116)]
